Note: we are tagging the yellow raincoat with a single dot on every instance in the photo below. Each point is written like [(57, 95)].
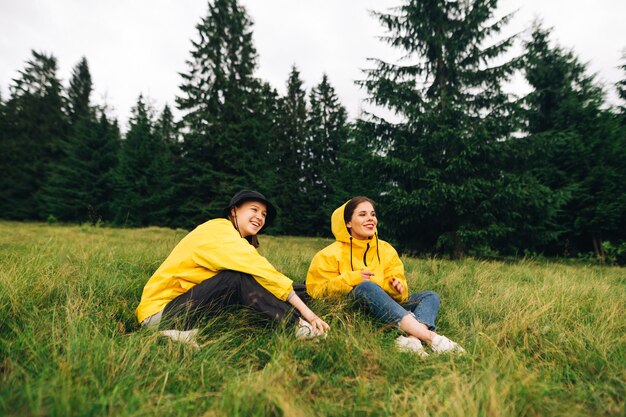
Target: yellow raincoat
[(335, 270), (210, 248)]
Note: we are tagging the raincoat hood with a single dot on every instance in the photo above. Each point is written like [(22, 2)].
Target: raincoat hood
[(338, 226)]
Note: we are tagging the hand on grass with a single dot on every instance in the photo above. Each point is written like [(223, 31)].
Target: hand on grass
[(319, 325)]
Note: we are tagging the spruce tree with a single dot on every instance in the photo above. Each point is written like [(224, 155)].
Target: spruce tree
[(5, 152), (289, 155), (327, 138), (31, 145), (79, 92), (575, 141), (167, 132), (446, 162), (218, 98), (64, 192), (142, 183), (165, 127), (617, 196), (104, 149), (4, 124), (262, 130), (3, 119), (620, 87), (80, 187)]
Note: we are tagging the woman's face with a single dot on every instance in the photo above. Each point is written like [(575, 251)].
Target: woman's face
[(363, 223), (250, 217)]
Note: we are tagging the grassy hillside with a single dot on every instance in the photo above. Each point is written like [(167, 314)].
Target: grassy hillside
[(543, 339)]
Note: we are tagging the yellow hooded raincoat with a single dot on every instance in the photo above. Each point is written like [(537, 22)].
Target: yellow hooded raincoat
[(210, 248), (336, 269)]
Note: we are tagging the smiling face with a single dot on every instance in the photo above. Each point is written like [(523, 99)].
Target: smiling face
[(250, 217), (362, 224)]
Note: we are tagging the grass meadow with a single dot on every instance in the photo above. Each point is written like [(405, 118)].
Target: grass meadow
[(542, 338)]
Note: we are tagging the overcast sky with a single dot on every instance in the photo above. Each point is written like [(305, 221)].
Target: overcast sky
[(140, 46)]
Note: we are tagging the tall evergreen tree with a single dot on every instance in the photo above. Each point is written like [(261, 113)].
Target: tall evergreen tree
[(143, 186), (262, 129), (446, 162), (4, 122), (165, 127), (289, 156), (104, 152), (36, 124), (218, 98), (79, 92), (167, 132), (5, 158), (620, 87), (601, 205), (617, 196), (80, 186), (267, 127), (68, 183), (575, 140), (3, 118), (327, 139)]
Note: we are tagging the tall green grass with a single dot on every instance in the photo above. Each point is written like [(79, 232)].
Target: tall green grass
[(543, 339)]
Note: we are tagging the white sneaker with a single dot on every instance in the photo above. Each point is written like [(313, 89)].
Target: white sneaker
[(304, 331), (442, 344), (187, 337), (410, 344)]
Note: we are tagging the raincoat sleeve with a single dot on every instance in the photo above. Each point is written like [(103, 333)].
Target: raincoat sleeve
[(324, 278), (223, 249), (394, 269)]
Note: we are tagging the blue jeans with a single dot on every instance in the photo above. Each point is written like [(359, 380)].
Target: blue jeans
[(424, 305)]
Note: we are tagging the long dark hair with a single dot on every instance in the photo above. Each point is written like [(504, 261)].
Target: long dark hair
[(252, 239), (351, 206)]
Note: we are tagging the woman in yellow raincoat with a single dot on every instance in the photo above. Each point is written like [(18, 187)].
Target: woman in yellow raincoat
[(360, 266), (217, 265)]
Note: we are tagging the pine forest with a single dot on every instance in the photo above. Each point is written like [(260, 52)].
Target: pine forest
[(465, 168)]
